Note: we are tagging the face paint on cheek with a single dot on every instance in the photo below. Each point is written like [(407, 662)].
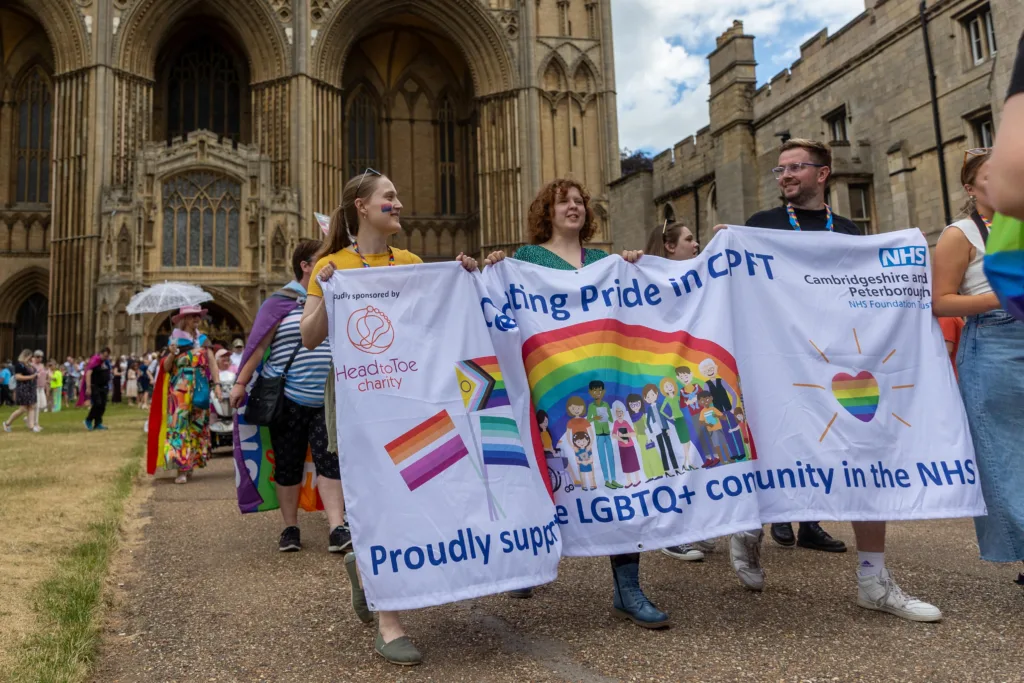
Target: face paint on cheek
[(387, 208)]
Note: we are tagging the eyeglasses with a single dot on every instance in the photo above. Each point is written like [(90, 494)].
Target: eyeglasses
[(976, 152), (793, 169), (368, 170)]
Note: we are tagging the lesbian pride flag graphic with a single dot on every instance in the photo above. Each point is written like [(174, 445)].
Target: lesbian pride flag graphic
[(499, 437), (427, 450)]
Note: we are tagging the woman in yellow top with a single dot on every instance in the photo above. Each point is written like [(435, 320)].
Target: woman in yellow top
[(369, 203)]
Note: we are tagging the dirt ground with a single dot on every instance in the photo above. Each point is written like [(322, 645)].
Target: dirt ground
[(201, 594), (52, 484)]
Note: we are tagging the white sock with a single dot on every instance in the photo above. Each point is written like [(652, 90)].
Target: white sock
[(870, 564)]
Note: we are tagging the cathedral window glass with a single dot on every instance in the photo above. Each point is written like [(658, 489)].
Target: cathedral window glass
[(201, 221), (204, 91), (34, 106), (446, 130), (363, 122)]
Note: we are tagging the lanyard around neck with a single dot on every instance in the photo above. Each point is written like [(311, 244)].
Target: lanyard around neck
[(391, 256), (796, 223)]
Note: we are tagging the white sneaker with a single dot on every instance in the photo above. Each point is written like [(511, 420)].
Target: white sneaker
[(745, 554), (705, 546), (684, 552), (881, 593)]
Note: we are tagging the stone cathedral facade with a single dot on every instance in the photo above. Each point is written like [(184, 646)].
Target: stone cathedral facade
[(152, 140)]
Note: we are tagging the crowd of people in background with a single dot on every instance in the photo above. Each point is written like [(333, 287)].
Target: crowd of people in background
[(35, 384)]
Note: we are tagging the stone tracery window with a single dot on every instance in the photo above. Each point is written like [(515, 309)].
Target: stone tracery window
[(447, 164), (363, 121), (204, 91), (201, 221), (34, 102)]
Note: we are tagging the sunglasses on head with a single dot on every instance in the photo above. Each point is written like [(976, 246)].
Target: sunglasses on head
[(976, 152), (368, 170)]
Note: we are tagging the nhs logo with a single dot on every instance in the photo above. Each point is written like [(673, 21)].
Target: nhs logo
[(903, 256)]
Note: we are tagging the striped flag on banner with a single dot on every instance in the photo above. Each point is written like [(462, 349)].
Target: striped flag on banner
[(501, 443), (481, 383), (427, 450)]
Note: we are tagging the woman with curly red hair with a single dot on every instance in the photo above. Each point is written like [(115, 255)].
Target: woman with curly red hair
[(561, 222)]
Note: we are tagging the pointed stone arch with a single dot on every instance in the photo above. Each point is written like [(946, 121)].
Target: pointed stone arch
[(65, 29), (554, 70), (14, 292), (469, 26), (147, 23), (584, 75)]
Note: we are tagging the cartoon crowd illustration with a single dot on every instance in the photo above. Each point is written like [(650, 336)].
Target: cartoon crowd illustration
[(678, 425)]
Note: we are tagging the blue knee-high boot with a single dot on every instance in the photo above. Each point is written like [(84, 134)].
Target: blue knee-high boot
[(630, 601)]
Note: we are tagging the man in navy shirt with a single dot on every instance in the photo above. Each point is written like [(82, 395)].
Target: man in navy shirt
[(803, 172)]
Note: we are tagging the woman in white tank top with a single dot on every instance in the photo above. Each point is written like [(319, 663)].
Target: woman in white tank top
[(990, 360)]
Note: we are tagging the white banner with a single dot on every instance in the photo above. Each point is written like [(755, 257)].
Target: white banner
[(445, 500), (778, 377)]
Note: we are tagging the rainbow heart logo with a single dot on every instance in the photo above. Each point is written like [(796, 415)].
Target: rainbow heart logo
[(858, 394)]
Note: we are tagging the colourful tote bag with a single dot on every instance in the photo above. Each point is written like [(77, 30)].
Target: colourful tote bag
[(1004, 263)]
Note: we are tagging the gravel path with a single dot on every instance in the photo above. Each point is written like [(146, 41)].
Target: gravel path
[(201, 594)]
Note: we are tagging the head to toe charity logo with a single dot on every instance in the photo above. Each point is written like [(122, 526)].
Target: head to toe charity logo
[(370, 330)]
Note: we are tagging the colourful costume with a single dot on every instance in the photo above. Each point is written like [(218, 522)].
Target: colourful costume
[(188, 426)]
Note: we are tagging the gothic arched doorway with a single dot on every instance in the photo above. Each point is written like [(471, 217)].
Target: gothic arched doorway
[(219, 325), (410, 113), (202, 82), (30, 324)]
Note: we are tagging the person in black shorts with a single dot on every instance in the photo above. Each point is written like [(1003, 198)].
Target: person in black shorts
[(301, 424)]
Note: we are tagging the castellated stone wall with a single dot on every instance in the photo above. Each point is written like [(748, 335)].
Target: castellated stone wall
[(873, 74)]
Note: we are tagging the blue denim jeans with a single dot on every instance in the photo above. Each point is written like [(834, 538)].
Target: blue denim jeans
[(607, 454), (991, 367)]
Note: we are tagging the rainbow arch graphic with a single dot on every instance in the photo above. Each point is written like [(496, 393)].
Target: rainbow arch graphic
[(562, 363)]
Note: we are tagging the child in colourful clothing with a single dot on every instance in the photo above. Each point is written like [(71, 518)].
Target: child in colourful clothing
[(584, 459), (711, 418), (56, 386)]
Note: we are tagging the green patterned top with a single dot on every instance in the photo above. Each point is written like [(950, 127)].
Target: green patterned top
[(541, 256)]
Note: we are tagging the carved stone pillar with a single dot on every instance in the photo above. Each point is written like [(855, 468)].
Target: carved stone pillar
[(501, 192)]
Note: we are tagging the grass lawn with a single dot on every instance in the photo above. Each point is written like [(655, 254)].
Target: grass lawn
[(61, 496)]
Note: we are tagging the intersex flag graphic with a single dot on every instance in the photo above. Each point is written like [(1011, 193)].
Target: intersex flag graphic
[(501, 442), (427, 450), (481, 383)]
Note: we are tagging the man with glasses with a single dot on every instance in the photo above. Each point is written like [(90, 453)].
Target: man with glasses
[(803, 172)]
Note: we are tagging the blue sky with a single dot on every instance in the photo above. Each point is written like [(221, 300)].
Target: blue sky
[(661, 49)]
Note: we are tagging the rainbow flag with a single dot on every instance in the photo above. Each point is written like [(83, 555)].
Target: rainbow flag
[(481, 383), (500, 441), (1004, 263), (427, 450)]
